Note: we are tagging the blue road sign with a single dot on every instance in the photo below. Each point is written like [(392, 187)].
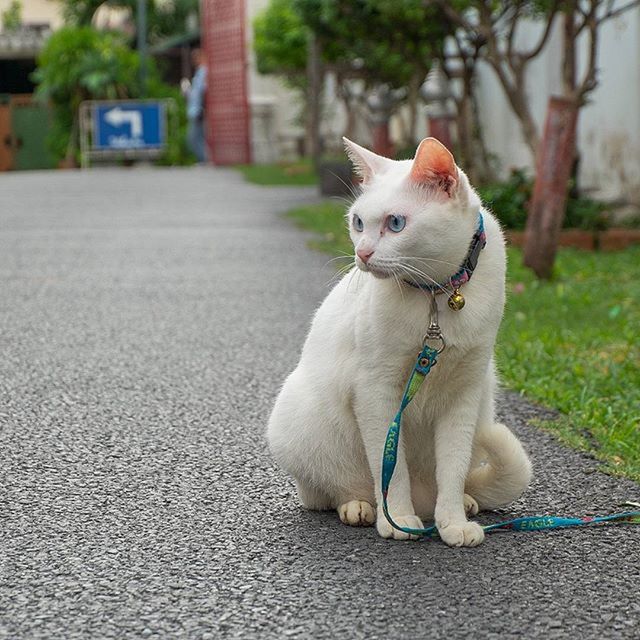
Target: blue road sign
[(129, 125)]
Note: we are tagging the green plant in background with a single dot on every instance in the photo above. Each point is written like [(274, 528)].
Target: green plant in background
[(298, 173), (280, 43), (508, 201), (164, 19), (178, 152), (12, 16), (80, 63)]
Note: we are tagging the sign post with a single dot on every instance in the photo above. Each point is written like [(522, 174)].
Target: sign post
[(132, 129)]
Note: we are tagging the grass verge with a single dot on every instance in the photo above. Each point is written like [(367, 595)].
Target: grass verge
[(295, 174), (572, 343)]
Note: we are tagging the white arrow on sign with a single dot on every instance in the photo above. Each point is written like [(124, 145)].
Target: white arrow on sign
[(117, 117)]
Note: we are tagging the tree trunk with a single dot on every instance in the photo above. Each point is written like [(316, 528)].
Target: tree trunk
[(413, 101), (465, 126), (382, 140), (484, 167), (314, 89), (553, 170)]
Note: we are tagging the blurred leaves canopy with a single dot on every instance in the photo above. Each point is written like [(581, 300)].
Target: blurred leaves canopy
[(280, 42), (11, 17), (386, 41), (81, 63), (164, 17)]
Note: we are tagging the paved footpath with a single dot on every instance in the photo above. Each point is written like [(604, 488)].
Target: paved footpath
[(147, 319)]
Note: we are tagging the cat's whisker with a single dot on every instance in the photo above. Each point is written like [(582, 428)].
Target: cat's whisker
[(344, 200), (350, 186), (339, 274), (422, 274), (428, 278), (344, 257), (355, 279), (394, 275), (451, 264)]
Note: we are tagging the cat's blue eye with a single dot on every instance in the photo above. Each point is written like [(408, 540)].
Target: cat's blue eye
[(396, 223), (358, 225)]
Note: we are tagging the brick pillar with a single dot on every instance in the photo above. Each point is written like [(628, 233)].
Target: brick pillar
[(227, 106)]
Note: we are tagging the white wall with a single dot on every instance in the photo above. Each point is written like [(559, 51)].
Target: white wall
[(275, 108), (609, 126), (38, 11)]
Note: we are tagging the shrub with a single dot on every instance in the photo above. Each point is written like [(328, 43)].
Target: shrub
[(508, 201), (81, 63)]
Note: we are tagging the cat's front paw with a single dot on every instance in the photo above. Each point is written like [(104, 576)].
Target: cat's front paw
[(387, 531), (462, 534)]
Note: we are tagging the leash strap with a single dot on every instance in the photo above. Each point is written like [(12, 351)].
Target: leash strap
[(427, 359)]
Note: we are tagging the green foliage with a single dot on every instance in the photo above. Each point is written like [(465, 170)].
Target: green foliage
[(508, 201), (163, 18), (571, 343), (12, 16), (177, 152), (80, 63), (280, 42), (326, 220), (381, 40), (282, 174)]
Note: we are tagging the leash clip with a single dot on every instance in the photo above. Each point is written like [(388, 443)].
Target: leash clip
[(433, 331)]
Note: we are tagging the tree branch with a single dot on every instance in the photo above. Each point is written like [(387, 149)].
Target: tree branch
[(455, 16), (545, 35), (590, 81), (614, 13), (512, 30)]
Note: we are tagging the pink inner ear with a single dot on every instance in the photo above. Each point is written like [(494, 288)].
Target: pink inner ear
[(434, 165)]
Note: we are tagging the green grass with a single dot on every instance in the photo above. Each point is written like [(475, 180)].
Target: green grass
[(572, 343), (299, 173)]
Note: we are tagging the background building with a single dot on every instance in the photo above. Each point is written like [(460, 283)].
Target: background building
[(609, 127), (23, 123)]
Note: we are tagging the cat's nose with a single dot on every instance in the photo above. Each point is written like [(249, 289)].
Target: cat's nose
[(364, 254)]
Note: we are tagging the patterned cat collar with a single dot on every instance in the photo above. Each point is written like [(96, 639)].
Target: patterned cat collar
[(463, 274)]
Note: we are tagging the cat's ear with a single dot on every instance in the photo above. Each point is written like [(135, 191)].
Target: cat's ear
[(434, 165), (365, 162)]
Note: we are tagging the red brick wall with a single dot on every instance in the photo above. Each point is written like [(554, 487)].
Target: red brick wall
[(223, 38)]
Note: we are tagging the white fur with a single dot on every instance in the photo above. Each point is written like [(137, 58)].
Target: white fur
[(329, 422)]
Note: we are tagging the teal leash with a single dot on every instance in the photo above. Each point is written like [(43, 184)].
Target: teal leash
[(427, 359)]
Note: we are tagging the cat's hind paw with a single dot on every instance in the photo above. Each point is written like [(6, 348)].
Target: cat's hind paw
[(357, 513), (470, 505), (387, 531)]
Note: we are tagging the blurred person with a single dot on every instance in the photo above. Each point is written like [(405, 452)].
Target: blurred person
[(195, 93)]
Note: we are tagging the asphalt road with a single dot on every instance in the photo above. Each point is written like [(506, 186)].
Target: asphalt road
[(147, 319)]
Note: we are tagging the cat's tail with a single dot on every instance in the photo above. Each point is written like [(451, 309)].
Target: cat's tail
[(501, 470)]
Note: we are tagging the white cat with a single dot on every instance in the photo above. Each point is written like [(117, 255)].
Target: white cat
[(413, 223)]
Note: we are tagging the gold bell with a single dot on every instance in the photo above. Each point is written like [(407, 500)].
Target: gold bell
[(456, 300)]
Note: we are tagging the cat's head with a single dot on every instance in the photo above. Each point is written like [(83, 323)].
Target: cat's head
[(413, 218)]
